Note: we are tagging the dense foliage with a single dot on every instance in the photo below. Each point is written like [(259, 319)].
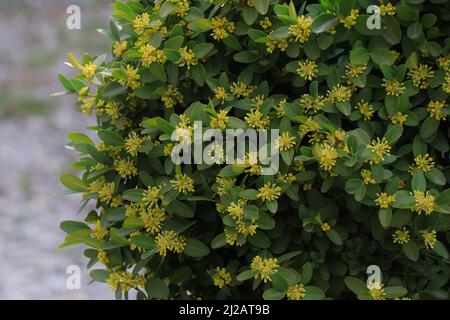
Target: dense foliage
[(364, 147)]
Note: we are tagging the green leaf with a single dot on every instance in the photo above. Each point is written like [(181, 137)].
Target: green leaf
[(157, 288), (418, 182), (100, 275), (359, 55), (195, 248), (429, 127), (144, 242), (180, 209), (393, 292), (262, 6), (201, 25), (110, 137), (219, 241), (441, 250), (157, 70), (133, 195), (382, 56), (394, 133), (246, 56), (166, 8), (73, 183), (249, 194), (72, 226), (436, 176), (355, 285), (260, 240), (414, 31), (324, 22), (385, 217), (273, 294), (202, 49), (245, 275), (159, 123), (410, 250), (334, 236)]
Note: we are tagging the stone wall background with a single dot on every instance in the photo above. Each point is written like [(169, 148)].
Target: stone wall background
[(34, 41)]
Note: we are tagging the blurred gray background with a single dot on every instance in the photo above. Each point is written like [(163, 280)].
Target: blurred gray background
[(34, 41)]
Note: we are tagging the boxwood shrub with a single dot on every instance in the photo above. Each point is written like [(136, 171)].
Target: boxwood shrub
[(359, 91)]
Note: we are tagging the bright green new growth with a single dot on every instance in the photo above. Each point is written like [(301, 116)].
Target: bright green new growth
[(364, 150)]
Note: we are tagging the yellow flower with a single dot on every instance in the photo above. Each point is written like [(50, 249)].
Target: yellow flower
[(302, 29), (169, 241), (125, 168), (280, 109), (172, 97), (88, 71), (224, 185), (367, 177), (393, 87), (140, 23), (246, 228), (241, 90), (327, 157), (285, 141), (264, 268), (183, 183), (256, 119), (167, 151), (119, 48), (269, 192), (132, 143), (221, 28), (220, 121), (376, 291), (125, 280), (354, 70), (187, 58), (153, 219), (102, 257), (429, 239), (130, 78), (296, 292), (446, 84), (182, 8), (420, 75), (310, 125), (350, 20), (151, 196), (325, 227), (422, 163), (339, 93), (399, 118), (379, 149), (236, 209), (365, 109), (387, 9), (286, 178), (444, 63), (436, 110), (106, 193), (401, 236), (87, 106), (99, 232), (150, 55), (307, 69), (222, 277), (423, 202), (112, 110), (384, 200), (221, 94), (265, 23)]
